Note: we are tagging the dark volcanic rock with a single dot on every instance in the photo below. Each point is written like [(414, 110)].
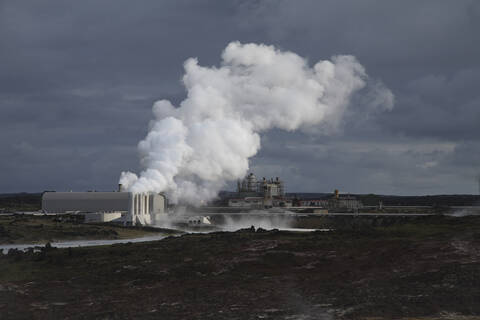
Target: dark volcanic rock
[(425, 268)]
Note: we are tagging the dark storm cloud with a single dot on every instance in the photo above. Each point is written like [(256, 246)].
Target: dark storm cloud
[(439, 106), (78, 78)]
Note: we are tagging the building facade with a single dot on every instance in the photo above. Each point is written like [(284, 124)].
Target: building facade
[(313, 203), (255, 193), (344, 202), (266, 187), (134, 208), (249, 202)]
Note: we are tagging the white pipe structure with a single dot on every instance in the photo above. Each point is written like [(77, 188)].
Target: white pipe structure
[(147, 205), (136, 208), (140, 209), (132, 208)]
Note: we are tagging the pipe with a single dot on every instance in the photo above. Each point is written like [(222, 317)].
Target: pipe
[(132, 206), (137, 205), (148, 203)]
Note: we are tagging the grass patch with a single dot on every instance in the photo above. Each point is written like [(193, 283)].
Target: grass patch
[(42, 229)]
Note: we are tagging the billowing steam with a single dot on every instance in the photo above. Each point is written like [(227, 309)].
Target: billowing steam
[(193, 149)]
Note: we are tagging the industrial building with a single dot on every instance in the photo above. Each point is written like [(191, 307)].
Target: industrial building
[(250, 202), (254, 193), (264, 188), (343, 202), (313, 203), (124, 207), (337, 201)]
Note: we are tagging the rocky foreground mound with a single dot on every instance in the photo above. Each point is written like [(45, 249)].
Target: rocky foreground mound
[(429, 268)]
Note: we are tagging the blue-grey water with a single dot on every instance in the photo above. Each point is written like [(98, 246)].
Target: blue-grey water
[(78, 243)]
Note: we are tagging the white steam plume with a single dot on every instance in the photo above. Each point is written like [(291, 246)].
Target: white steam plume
[(192, 150)]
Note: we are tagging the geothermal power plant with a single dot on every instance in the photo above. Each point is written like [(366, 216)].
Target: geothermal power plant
[(149, 208), (193, 149), (122, 207)]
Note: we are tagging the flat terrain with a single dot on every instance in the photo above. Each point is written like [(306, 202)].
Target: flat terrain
[(426, 269), (43, 229)]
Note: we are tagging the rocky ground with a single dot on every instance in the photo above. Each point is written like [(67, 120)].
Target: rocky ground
[(43, 229), (426, 269)]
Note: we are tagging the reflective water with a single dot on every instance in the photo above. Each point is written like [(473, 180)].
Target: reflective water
[(78, 243)]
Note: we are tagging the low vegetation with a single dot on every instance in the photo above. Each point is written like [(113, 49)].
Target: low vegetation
[(424, 268), (43, 229), (11, 202)]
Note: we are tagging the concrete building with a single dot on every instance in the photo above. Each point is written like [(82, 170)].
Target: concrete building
[(254, 193), (250, 185), (134, 209), (272, 188), (282, 202), (247, 202), (314, 203), (344, 202), (337, 201), (102, 216)]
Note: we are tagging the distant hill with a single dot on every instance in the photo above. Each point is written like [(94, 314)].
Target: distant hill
[(393, 200), (33, 201), (429, 200), (309, 195), (21, 201)]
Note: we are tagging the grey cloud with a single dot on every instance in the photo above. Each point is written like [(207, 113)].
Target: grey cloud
[(439, 106), (78, 79)]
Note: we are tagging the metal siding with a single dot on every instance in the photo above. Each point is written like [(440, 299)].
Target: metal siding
[(85, 201), (158, 204)]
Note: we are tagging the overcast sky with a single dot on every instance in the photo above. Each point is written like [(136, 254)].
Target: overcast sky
[(78, 80)]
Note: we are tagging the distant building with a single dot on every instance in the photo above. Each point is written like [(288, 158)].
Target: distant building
[(250, 202), (248, 184), (314, 203), (102, 216), (254, 193), (124, 207), (267, 188), (337, 201), (344, 202), (281, 202)]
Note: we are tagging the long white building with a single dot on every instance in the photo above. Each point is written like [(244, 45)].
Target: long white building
[(130, 208)]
